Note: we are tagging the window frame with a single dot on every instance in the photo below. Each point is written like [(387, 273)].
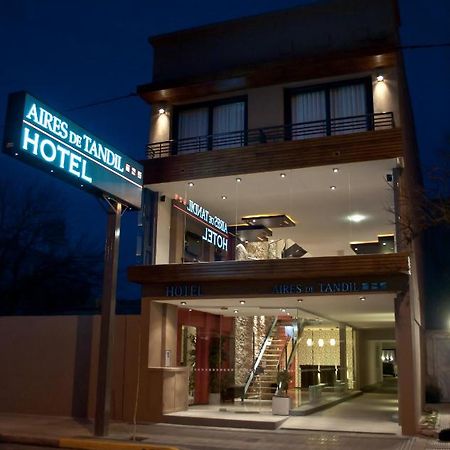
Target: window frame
[(327, 87), (210, 105)]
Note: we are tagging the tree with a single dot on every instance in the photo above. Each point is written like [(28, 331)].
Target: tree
[(43, 269)]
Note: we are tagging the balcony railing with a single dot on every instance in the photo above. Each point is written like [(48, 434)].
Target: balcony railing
[(279, 133)]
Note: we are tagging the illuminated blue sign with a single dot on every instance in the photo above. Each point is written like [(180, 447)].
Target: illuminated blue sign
[(42, 137)]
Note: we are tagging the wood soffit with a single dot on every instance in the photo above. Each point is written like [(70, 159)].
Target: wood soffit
[(269, 73), (276, 270), (357, 147)]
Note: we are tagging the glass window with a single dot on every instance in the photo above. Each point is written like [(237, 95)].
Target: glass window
[(228, 125), (192, 130), (309, 115)]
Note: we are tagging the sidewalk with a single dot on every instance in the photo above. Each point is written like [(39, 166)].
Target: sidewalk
[(67, 432), (64, 432)]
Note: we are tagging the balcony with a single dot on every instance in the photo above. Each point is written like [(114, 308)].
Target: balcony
[(273, 134)]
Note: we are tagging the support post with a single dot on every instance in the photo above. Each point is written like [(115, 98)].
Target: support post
[(343, 352), (103, 403)]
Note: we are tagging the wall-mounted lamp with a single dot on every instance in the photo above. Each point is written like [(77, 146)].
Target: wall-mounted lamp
[(161, 111), (380, 78)]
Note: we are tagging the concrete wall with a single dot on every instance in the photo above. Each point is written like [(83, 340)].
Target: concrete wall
[(49, 364), (438, 362), (163, 231), (321, 28), (369, 367)]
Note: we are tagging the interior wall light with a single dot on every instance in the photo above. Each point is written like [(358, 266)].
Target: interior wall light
[(356, 218), (380, 78), (161, 111)]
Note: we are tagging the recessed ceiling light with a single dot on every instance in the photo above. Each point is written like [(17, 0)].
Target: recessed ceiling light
[(282, 310), (81, 185), (356, 218), (183, 303), (356, 249), (190, 310), (299, 300), (363, 299), (238, 180), (16, 154), (236, 311), (282, 175), (161, 110), (51, 171), (254, 220), (333, 188), (191, 184), (332, 342), (242, 302), (224, 197), (384, 243), (335, 170)]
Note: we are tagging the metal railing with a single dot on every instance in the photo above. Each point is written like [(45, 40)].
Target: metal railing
[(279, 133), (264, 345)]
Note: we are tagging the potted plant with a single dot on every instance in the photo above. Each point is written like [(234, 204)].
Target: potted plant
[(281, 403)]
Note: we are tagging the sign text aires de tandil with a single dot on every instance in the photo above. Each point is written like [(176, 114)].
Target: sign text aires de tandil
[(46, 138)]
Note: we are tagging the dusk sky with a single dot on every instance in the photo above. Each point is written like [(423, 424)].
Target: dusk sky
[(71, 54)]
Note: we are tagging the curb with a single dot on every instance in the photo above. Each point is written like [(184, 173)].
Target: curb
[(81, 443)]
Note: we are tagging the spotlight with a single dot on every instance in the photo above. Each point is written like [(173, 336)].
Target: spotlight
[(191, 184), (161, 111), (333, 188), (224, 197), (242, 302), (182, 303), (335, 170), (309, 342), (380, 78), (282, 175), (363, 299), (238, 180)]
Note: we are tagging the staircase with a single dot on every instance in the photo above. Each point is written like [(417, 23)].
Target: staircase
[(263, 386)]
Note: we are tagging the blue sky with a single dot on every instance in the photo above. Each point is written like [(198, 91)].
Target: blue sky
[(71, 54)]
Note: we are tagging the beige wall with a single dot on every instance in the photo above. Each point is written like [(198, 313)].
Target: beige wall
[(163, 231), (369, 368), (266, 104)]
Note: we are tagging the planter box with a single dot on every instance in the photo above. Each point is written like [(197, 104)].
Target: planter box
[(214, 399), (281, 406)]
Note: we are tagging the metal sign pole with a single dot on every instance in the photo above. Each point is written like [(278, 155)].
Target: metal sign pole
[(103, 403)]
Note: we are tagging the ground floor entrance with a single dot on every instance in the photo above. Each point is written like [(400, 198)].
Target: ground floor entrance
[(290, 337)]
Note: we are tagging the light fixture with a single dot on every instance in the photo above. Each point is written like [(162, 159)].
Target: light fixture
[(282, 175), (384, 243), (238, 180), (320, 342), (182, 303), (242, 302), (51, 170), (356, 218), (332, 342), (254, 220), (363, 299), (224, 197), (16, 154), (309, 342), (191, 184), (282, 310), (333, 188), (190, 310), (236, 311), (161, 111), (380, 78), (299, 300), (81, 185), (335, 170)]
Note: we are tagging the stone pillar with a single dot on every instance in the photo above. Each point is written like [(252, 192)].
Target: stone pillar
[(408, 361), (343, 351)]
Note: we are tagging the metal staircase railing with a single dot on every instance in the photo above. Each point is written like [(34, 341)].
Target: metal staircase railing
[(264, 345)]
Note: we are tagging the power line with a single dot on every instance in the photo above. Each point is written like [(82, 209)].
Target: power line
[(419, 46), (102, 102)]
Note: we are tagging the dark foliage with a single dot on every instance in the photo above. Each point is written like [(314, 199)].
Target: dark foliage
[(43, 270)]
